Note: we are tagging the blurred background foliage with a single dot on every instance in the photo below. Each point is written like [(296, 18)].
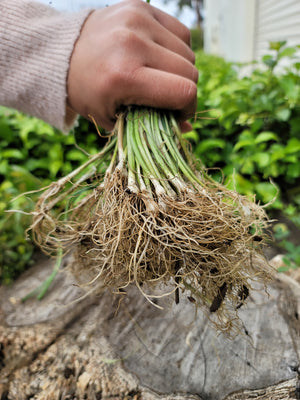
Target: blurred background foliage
[(253, 131), (32, 155), (250, 140)]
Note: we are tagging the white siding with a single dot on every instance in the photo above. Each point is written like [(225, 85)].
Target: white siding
[(240, 30), (276, 20), (229, 28)]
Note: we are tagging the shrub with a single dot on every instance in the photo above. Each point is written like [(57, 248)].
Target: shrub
[(253, 133), (32, 154)]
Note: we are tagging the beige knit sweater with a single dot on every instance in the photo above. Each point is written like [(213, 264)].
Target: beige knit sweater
[(36, 44)]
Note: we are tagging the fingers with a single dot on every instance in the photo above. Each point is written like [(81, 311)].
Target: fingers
[(152, 88), (161, 27), (132, 54), (167, 21), (163, 90), (171, 42), (173, 25), (155, 56), (160, 35), (164, 60)]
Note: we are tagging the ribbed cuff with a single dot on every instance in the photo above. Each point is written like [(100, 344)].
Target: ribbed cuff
[(36, 44)]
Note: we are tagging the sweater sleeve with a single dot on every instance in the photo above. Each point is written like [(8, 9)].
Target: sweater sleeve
[(36, 44)]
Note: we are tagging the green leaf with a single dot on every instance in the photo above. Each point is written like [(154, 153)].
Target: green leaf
[(6, 185), (33, 164), (245, 139), (269, 61), (265, 137), (295, 124), (243, 119), (256, 125), (209, 144), (56, 152), (76, 155), (4, 167), (287, 52), (5, 131), (13, 153), (293, 146), (237, 182), (277, 45), (281, 231), (290, 88), (243, 143), (262, 159), (273, 170), (266, 191), (290, 158), (277, 152), (192, 135), (248, 167), (55, 166), (283, 114), (293, 170)]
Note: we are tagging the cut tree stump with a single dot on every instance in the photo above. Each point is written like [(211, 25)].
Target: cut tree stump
[(69, 347)]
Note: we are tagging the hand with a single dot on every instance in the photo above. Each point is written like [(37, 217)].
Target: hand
[(132, 53)]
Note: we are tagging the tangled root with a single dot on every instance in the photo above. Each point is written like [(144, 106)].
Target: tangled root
[(206, 241)]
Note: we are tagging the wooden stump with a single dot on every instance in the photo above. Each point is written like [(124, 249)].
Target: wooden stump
[(101, 348)]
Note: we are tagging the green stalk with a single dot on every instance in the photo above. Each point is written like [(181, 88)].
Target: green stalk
[(182, 142), (167, 135), (165, 167), (132, 185), (161, 170), (156, 152), (144, 151), (185, 149), (113, 160), (121, 154), (139, 178), (154, 131), (147, 164), (99, 156), (134, 146), (146, 191)]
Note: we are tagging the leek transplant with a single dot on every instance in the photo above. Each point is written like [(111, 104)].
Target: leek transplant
[(143, 211)]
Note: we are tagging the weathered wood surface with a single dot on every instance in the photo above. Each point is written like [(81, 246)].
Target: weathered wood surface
[(61, 349)]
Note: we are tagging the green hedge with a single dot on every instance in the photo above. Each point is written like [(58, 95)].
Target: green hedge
[(253, 132), (32, 155)]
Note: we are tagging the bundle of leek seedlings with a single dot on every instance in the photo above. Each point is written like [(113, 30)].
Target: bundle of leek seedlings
[(143, 212)]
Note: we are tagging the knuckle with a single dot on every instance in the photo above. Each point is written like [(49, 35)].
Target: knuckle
[(129, 40), (131, 17), (124, 63), (134, 15), (134, 3), (116, 77), (121, 76)]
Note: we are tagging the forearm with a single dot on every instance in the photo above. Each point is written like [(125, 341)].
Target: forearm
[(36, 44)]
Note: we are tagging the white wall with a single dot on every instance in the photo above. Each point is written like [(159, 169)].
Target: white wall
[(240, 30), (276, 20)]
